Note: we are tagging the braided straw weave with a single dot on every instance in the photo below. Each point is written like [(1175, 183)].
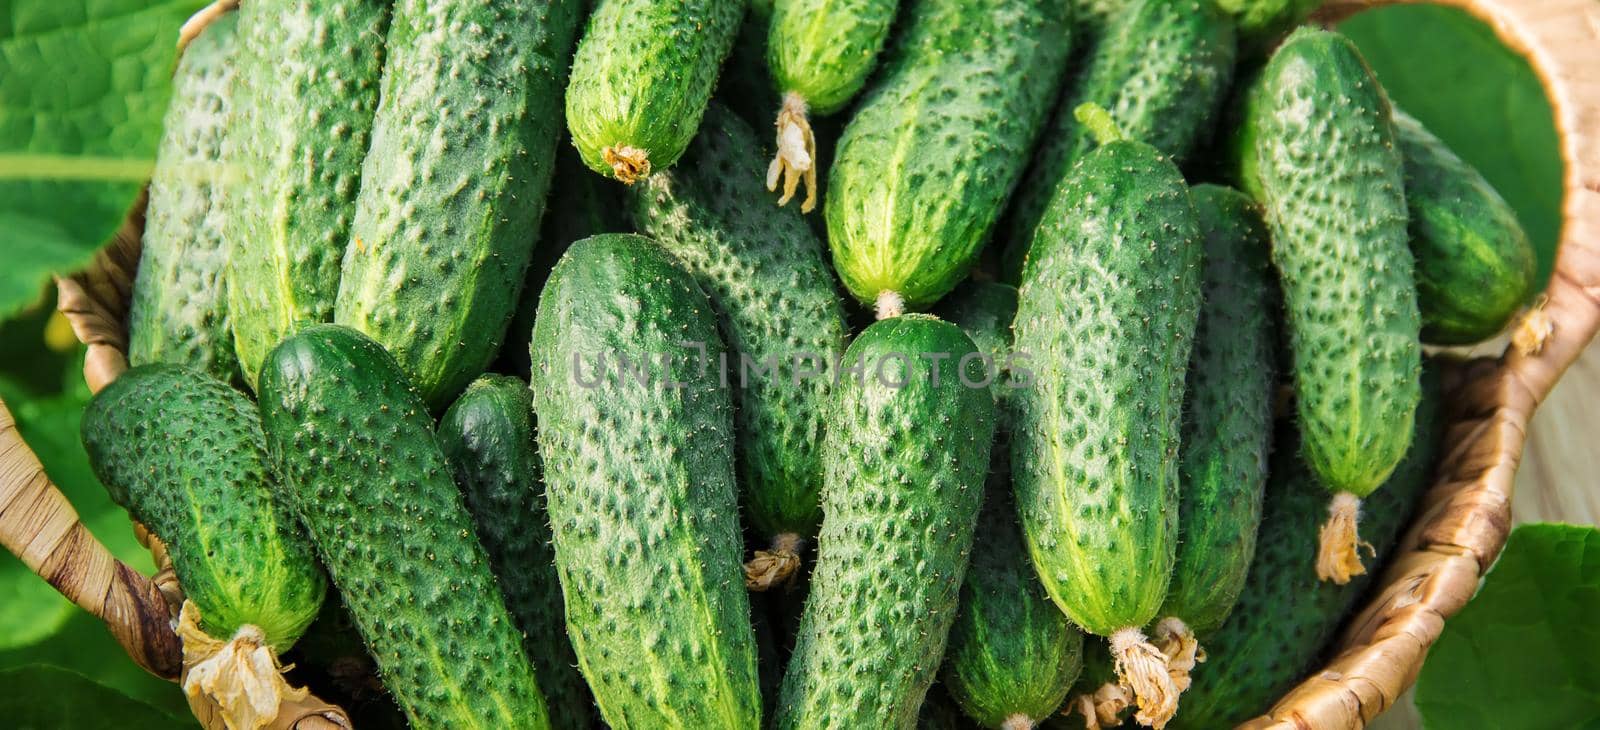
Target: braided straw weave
[(1460, 530)]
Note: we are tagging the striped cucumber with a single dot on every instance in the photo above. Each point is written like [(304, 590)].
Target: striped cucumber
[(928, 160), (1162, 70), (1285, 615), (908, 444), (452, 191), (353, 443), (641, 79), (308, 88), (179, 309), (1108, 309), (487, 436), (1332, 186), (775, 298), (1475, 266), (820, 53), (637, 438), (184, 453)]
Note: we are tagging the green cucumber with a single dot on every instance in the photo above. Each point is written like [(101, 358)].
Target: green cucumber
[(1285, 615), (1263, 21), (353, 443), (1334, 195), (308, 88), (637, 438), (775, 298), (1475, 266), (455, 183), (184, 453), (1162, 70), (1228, 418), (927, 162), (905, 468), (641, 79), (1107, 312), (179, 309), (820, 53), (487, 436)]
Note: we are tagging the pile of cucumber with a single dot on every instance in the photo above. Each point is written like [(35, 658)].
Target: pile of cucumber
[(476, 335)]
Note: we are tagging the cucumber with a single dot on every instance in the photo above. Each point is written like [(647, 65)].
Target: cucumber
[(308, 88), (1285, 615), (1107, 310), (1335, 203), (487, 436), (774, 297), (927, 162), (640, 487), (820, 53), (641, 79), (1162, 70), (179, 309), (1263, 21), (1227, 427), (352, 441), (1475, 266), (900, 502), (455, 183)]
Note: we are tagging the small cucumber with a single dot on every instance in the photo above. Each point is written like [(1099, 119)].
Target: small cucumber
[(1475, 266), (455, 183), (1228, 418), (637, 437), (775, 298), (900, 501), (1334, 196), (1107, 311), (641, 79), (926, 164), (179, 309), (1285, 615), (487, 436), (1162, 70), (821, 53), (308, 88), (353, 443)]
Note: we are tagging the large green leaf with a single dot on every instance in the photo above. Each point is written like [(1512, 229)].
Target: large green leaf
[(1450, 71), (83, 86), (42, 697), (1522, 653)]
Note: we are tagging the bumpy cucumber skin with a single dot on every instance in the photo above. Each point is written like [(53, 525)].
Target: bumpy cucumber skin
[(1261, 21), (926, 163), (487, 435), (900, 502), (1227, 429), (184, 454), (1335, 203), (824, 50), (1285, 615), (640, 487), (643, 74), (1475, 266), (298, 162), (179, 309), (1107, 313), (452, 191), (354, 445), (1162, 70), (770, 285)]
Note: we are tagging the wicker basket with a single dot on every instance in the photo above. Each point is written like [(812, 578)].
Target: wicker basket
[(1459, 532)]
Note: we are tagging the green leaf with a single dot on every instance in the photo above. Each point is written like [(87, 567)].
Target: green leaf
[(1522, 653), (83, 86), (1450, 71), (41, 697)]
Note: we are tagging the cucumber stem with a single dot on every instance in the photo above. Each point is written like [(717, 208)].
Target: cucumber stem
[(778, 565), (1104, 706), (1339, 541), (1143, 668), (1101, 126), (796, 159), (628, 164), (1182, 649), (1018, 721), (890, 304), (240, 679)]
